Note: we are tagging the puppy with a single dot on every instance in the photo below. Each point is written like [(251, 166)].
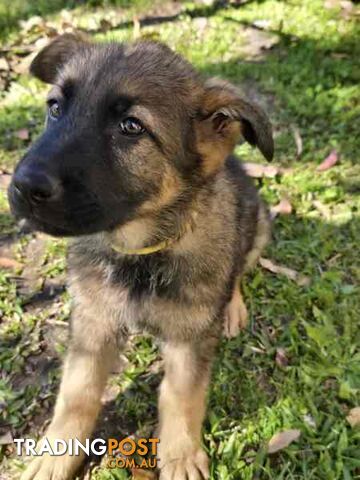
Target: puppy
[(135, 165)]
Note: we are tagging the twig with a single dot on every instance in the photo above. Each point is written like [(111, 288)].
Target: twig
[(298, 140)]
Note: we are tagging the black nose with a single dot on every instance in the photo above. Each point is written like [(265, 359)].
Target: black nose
[(36, 185)]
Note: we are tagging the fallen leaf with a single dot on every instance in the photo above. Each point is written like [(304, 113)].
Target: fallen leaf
[(284, 207), (334, 259), (297, 277), (23, 65), (281, 358), (257, 41), (339, 55), (136, 28), (6, 438), (281, 440), (347, 5), (329, 162), (32, 23), (23, 134), (4, 65), (354, 417), (5, 179), (257, 170), (263, 24), (331, 3), (110, 394), (323, 209), (9, 263), (200, 23), (139, 474), (31, 279)]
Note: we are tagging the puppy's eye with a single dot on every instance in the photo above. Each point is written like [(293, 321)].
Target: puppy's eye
[(131, 126), (54, 109)]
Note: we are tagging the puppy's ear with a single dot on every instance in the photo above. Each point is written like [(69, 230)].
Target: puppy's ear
[(225, 116), (50, 59)]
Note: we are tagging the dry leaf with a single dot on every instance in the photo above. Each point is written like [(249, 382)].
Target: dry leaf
[(5, 179), (281, 440), (23, 134), (323, 209), (297, 277), (4, 64), (35, 22), (339, 55), (347, 5), (9, 263), (329, 162), (257, 170), (110, 394), (6, 438), (136, 28), (31, 279), (284, 207), (354, 417), (298, 140), (281, 358), (23, 66), (139, 474)]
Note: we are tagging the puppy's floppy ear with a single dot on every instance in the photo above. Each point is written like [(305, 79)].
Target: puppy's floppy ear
[(50, 59), (225, 116)]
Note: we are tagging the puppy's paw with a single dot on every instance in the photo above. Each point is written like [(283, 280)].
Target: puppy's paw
[(51, 467), (191, 467), (236, 315)]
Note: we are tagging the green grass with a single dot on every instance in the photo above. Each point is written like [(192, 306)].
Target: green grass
[(309, 79), (12, 13)]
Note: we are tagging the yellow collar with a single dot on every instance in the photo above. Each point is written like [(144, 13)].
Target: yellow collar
[(154, 248)]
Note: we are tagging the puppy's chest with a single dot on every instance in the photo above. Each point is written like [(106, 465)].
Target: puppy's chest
[(155, 276), (147, 294)]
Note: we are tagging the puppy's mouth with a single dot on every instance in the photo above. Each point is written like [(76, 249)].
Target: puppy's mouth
[(67, 226)]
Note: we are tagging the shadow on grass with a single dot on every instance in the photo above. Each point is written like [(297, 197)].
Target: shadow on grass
[(204, 11), (315, 86), (12, 12)]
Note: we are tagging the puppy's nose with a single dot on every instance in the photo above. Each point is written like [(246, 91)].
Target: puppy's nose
[(36, 185)]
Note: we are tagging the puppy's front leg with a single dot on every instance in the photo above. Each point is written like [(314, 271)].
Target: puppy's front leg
[(91, 354), (182, 406)]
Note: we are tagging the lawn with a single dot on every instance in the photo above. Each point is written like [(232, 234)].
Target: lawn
[(297, 365)]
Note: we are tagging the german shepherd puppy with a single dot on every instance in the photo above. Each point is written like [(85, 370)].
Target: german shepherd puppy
[(135, 164)]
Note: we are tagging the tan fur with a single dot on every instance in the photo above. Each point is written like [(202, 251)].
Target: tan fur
[(215, 147), (236, 315), (134, 234), (136, 192), (182, 409), (169, 190), (86, 368)]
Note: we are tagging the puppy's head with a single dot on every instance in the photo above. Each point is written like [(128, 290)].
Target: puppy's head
[(129, 130)]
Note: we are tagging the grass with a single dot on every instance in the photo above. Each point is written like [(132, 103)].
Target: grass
[(11, 13), (308, 79)]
